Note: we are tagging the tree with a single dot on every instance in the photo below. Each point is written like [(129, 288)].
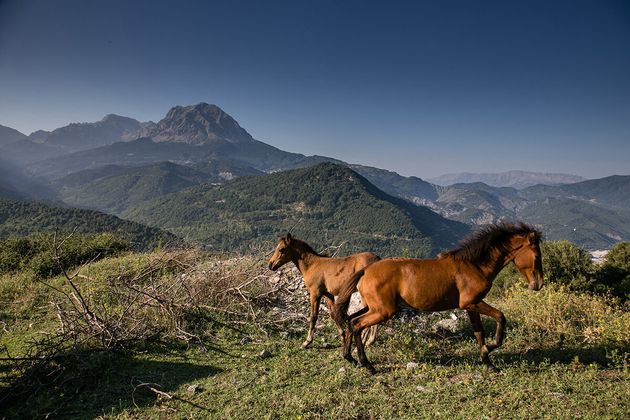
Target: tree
[(566, 263), (615, 271)]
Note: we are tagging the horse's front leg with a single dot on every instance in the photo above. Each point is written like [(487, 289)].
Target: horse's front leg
[(475, 320), (485, 309), (315, 300)]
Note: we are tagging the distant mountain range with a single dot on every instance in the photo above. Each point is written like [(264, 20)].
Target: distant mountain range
[(71, 138), (124, 167), (513, 179)]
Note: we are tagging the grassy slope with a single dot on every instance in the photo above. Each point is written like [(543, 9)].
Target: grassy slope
[(540, 377), (233, 382)]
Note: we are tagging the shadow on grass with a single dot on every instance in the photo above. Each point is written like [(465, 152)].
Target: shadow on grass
[(452, 348), (92, 384), (504, 359), (563, 355)]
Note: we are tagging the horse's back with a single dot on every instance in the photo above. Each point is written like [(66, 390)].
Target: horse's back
[(337, 271), (363, 259)]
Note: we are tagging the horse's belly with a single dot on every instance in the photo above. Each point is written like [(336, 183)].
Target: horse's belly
[(435, 294), (431, 301)]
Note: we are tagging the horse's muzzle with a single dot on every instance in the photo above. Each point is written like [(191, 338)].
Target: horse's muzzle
[(271, 267), (536, 284)]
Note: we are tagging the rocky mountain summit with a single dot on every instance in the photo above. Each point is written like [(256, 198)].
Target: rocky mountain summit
[(199, 124)]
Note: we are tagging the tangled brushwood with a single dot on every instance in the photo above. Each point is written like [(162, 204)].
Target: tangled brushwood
[(169, 296)]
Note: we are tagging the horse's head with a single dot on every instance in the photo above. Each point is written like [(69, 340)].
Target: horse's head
[(282, 254), (528, 260)]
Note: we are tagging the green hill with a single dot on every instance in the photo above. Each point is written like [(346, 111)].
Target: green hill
[(22, 218), (114, 188), (324, 204), (583, 223), (610, 192)]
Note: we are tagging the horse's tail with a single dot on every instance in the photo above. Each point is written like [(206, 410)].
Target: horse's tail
[(340, 308)]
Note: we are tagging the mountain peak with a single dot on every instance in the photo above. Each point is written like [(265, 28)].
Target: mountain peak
[(9, 135), (197, 124), (113, 118)]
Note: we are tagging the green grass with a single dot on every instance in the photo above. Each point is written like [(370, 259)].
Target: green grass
[(233, 382), (569, 361)]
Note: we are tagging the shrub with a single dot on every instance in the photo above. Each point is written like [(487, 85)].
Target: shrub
[(16, 252), (566, 263), (614, 274), (556, 312), (36, 253), (507, 278)]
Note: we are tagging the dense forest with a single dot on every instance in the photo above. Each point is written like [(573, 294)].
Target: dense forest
[(23, 218)]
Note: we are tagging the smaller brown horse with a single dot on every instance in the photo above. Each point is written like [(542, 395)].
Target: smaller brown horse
[(457, 279), (323, 276)]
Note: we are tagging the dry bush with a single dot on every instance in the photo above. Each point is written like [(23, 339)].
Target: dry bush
[(172, 296)]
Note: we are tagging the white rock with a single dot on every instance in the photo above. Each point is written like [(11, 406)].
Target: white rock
[(412, 365)]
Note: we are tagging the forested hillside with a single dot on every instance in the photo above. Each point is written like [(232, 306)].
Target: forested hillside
[(23, 218), (325, 204)]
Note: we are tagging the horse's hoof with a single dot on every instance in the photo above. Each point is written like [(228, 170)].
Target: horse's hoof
[(492, 368), (306, 344), (371, 369), (350, 359)]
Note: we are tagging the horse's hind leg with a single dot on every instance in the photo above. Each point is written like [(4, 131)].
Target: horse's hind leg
[(485, 309), (347, 336), (358, 325), (315, 299)]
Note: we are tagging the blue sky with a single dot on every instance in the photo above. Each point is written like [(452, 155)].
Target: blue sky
[(422, 88)]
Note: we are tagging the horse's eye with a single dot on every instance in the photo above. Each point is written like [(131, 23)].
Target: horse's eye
[(283, 250)]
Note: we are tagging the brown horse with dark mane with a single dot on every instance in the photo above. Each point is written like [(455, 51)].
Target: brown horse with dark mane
[(460, 278), (323, 276)]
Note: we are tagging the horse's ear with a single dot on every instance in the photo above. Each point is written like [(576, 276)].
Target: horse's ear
[(289, 237), (532, 237)]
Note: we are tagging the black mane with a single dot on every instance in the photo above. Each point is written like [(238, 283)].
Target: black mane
[(477, 248)]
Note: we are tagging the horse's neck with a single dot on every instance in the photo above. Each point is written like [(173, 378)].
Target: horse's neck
[(305, 259), (493, 267)]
